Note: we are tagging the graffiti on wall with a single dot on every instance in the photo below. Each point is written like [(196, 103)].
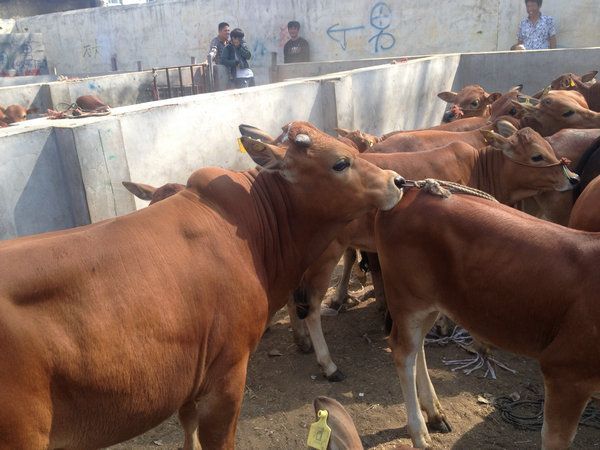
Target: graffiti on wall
[(22, 54), (91, 50), (380, 19)]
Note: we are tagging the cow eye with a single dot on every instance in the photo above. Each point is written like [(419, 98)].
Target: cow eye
[(568, 113), (341, 165), (513, 111), (475, 103), (537, 158)]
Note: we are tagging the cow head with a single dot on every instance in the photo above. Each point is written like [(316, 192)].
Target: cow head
[(362, 141), (528, 150), (317, 165), (16, 113), (557, 110), (470, 101), (504, 105), (570, 81)]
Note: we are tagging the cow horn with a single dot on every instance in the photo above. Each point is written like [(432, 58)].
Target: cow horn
[(302, 140)]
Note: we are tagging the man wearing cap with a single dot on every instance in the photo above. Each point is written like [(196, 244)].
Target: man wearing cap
[(297, 48)]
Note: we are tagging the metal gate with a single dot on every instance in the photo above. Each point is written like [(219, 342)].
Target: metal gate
[(179, 81)]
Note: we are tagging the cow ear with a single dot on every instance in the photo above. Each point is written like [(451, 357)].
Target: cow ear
[(493, 97), (255, 133), (448, 96), (265, 155), (495, 140), (505, 128), (517, 88), (143, 191), (342, 132), (589, 76)]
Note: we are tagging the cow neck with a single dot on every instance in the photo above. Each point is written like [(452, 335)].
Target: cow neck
[(489, 173), (293, 233)]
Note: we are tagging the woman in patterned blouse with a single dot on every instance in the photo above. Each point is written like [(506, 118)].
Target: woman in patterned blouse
[(537, 31)]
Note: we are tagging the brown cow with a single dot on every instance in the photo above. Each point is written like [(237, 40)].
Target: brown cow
[(108, 329), (421, 140), (501, 107), (511, 169), (586, 211), (557, 110), (16, 113), (571, 144), (493, 270), (471, 101), (583, 84)]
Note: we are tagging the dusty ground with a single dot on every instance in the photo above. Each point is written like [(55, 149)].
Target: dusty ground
[(278, 401)]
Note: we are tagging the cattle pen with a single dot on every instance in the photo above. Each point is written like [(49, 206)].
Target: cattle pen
[(71, 175)]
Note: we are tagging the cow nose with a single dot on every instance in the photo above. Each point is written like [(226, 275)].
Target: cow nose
[(448, 117), (400, 182)]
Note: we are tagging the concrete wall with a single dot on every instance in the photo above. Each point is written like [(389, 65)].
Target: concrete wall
[(25, 8), (39, 190), (57, 174), (116, 90), (533, 69), (169, 33), (22, 54)]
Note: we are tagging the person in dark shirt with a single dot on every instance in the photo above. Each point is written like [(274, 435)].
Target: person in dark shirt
[(297, 48), (218, 43), (236, 56)]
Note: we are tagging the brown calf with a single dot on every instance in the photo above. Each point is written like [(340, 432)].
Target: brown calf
[(16, 113), (557, 110), (108, 329), (583, 84), (572, 144), (511, 169), (493, 270), (471, 101)]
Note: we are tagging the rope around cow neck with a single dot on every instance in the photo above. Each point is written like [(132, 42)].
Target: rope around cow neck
[(446, 188)]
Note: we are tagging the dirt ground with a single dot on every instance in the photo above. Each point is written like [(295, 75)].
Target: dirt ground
[(277, 406)]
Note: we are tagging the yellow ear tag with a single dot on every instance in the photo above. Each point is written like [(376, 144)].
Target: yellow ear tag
[(241, 146), (572, 83), (319, 433)]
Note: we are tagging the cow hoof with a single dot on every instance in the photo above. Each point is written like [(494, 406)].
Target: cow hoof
[(336, 376), (305, 346), (439, 425)]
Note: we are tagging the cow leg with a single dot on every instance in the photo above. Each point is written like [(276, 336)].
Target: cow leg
[(564, 403), (341, 290), (436, 419), (189, 417), (406, 340), (313, 323), (375, 269), (219, 409), (299, 327)]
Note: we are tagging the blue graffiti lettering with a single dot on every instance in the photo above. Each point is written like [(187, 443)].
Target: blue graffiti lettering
[(381, 19), (342, 40)]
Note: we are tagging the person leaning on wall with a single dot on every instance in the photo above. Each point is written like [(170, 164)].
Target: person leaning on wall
[(536, 31), (218, 43), (236, 56)]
